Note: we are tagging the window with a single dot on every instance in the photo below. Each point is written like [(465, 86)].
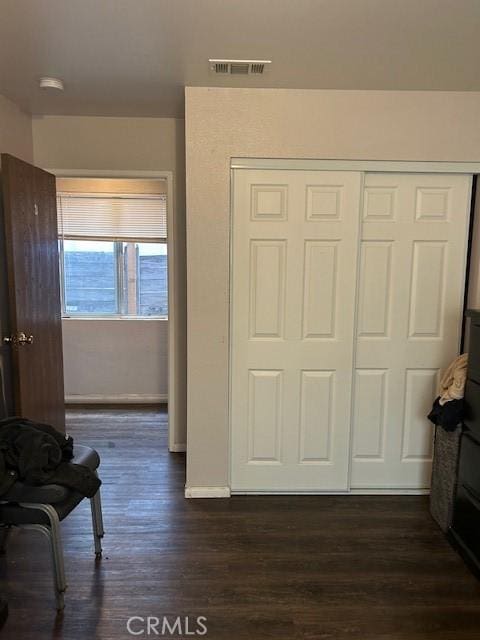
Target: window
[(105, 270), (149, 278), (90, 281)]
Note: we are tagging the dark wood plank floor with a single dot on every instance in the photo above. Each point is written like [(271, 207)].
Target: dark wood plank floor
[(329, 568)]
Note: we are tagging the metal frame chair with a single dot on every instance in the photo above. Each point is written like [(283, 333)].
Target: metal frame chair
[(46, 516)]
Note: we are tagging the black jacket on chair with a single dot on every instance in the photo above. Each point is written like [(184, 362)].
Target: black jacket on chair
[(38, 454)]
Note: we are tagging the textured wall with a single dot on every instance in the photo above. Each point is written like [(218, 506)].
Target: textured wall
[(115, 360), (15, 131), (271, 123)]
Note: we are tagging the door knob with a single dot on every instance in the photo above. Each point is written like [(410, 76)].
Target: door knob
[(20, 338)]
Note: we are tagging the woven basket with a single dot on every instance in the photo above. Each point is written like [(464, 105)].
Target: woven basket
[(444, 475)]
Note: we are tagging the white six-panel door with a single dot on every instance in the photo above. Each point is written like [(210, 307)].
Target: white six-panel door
[(347, 294), (295, 239), (410, 303)]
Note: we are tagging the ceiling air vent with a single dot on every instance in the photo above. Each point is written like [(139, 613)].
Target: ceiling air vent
[(238, 67)]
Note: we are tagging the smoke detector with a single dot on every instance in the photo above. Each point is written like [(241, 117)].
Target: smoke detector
[(238, 67), (51, 83)]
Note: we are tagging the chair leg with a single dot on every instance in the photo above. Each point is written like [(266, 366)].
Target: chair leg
[(52, 532), (97, 523), (4, 533)]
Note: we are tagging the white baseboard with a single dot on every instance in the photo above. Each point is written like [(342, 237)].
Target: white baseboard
[(178, 448), (207, 492), (390, 492), (225, 492), (120, 398), (351, 492)]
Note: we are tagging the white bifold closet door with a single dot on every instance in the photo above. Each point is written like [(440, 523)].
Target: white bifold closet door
[(295, 244), (410, 303), (347, 299)]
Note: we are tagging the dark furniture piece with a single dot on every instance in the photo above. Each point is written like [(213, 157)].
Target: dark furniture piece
[(43, 508), (465, 529)]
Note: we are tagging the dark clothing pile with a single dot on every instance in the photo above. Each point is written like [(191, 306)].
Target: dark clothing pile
[(37, 454), (448, 415)]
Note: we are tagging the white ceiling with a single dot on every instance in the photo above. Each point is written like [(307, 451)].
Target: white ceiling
[(133, 57)]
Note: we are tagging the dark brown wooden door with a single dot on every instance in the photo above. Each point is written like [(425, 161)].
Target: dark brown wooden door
[(31, 239)]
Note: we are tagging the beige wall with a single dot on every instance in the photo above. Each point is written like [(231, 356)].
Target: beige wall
[(136, 144), (270, 123), (115, 360), (15, 131)]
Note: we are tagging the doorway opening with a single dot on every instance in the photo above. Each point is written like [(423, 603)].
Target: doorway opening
[(116, 279)]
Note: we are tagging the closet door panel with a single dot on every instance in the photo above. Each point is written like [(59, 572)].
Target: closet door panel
[(370, 413), (410, 305), (375, 289), (320, 283), (294, 264)]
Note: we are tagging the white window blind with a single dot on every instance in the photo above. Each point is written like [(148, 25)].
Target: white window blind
[(114, 216)]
